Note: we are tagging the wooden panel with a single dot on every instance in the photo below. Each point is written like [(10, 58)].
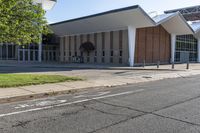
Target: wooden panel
[(149, 45), (168, 48), (141, 45), (162, 44), (137, 46), (156, 45)]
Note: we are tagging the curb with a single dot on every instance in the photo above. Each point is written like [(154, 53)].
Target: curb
[(103, 68), (72, 91), (46, 94)]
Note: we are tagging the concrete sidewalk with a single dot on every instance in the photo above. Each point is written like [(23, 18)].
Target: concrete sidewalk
[(178, 67), (38, 91)]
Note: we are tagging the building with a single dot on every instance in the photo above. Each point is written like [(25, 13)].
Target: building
[(125, 36), (187, 46)]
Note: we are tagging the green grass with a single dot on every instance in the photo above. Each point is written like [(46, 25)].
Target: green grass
[(16, 80)]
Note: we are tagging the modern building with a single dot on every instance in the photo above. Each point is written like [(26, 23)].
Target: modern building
[(187, 46), (127, 36)]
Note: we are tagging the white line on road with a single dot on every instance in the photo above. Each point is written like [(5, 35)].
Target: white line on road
[(75, 102), (96, 95)]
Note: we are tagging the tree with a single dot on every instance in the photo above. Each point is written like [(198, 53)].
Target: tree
[(21, 22)]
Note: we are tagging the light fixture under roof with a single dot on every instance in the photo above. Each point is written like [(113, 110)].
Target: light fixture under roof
[(46, 4)]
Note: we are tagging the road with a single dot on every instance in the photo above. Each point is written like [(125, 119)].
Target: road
[(167, 106)]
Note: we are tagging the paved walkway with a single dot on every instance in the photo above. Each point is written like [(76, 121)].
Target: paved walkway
[(95, 78), (192, 66)]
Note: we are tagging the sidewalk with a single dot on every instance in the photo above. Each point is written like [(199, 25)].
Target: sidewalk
[(178, 67), (39, 91)]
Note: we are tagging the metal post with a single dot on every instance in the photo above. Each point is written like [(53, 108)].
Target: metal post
[(1, 55), (29, 55), (188, 65), (40, 49), (172, 65), (23, 55), (144, 63), (6, 51), (158, 64)]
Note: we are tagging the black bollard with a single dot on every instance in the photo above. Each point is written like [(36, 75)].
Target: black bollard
[(144, 63), (172, 65), (158, 64), (188, 65)]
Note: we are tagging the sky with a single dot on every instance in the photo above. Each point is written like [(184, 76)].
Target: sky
[(69, 9)]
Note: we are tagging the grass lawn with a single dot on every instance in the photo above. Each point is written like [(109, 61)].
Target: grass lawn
[(16, 80)]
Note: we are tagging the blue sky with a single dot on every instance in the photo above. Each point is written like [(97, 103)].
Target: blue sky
[(68, 9)]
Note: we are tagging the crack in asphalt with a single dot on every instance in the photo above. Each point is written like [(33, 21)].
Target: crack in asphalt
[(146, 113), (104, 112), (116, 123), (72, 113), (21, 124)]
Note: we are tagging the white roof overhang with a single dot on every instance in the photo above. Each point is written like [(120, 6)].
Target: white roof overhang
[(107, 21), (176, 24), (196, 28)]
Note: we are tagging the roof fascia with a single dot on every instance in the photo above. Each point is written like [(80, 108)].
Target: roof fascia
[(174, 15), (98, 14)]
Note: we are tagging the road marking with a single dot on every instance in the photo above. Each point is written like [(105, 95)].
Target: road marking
[(40, 104), (95, 95), (70, 103)]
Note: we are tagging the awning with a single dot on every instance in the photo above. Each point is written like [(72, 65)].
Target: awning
[(121, 19), (196, 27), (107, 21), (174, 23)]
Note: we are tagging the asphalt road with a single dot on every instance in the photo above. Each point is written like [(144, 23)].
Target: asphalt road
[(167, 106)]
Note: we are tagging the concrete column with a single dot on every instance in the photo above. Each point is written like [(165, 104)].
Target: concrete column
[(173, 47), (131, 44), (198, 51)]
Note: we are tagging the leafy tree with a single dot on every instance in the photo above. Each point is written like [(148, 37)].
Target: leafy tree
[(21, 22)]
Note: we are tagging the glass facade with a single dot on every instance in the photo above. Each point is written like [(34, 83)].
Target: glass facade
[(8, 52), (186, 48)]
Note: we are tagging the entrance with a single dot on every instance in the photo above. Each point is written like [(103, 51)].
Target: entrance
[(28, 53), (8, 52)]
